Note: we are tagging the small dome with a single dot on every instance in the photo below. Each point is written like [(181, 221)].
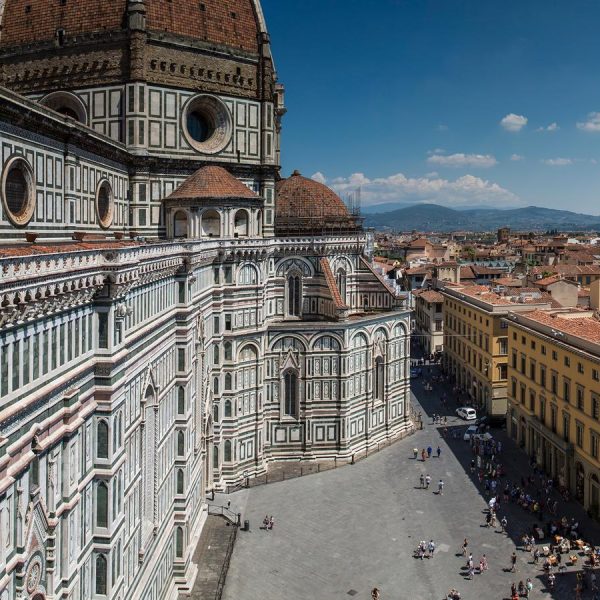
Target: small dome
[(305, 206), (212, 182)]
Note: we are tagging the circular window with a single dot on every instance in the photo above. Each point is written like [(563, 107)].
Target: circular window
[(104, 204), (206, 124), (18, 191)]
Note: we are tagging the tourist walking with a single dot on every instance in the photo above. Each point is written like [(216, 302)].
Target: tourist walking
[(427, 481), (464, 546), (375, 595), (423, 455), (429, 451), (422, 480), (503, 524), (440, 487), (513, 563), (439, 451), (431, 548)]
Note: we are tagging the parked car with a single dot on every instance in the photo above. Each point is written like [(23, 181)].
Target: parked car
[(498, 421), (466, 413), (471, 430), (415, 372)]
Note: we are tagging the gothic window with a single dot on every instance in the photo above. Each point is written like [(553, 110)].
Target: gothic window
[(216, 385), (248, 275), (216, 413), (34, 473), (294, 295), (290, 394), (341, 283), (102, 505), (228, 351), (379, 379), (179, 542), (216, 354), (228, 381), (227, 451), (215, 457), (241, 224), (180, 481), (102, 439), (101, 575), (180, 443), (180, 224), (180, 400), (227, 408)]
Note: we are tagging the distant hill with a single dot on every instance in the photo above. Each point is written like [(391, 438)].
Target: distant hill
[(433, 217)]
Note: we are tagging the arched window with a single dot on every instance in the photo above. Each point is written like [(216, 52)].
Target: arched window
[(180, 400), (227, 451), (240, 224), (180, 224), (227, 381), (294, 295), (179, 542), (215, 413), (102, 505), (341, 283), (211, 223), (120, 429), (180, 481), (216, 354), (102, 439), (216, 385), (379, 391), (34, 473), (290, 394), (227, 408), (248, 275), (227, 350), (215, 457), (101, 574), (180, 443)]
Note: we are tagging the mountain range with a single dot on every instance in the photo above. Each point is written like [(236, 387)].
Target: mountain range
[(433, 217)]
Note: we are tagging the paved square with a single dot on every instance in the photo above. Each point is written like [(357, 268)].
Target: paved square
[(354, 528)]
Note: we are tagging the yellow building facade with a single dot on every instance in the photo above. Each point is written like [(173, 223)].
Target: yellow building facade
[(476, 341), (554, 396)]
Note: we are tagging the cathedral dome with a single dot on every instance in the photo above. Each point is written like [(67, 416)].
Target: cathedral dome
[(232, 23), (305, 206)]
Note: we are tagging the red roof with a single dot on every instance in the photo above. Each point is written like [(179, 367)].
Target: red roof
[(212, 182)]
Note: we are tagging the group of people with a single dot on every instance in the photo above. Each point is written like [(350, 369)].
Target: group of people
[(268, 522), (522, 590), (426, 453), (425, 549)]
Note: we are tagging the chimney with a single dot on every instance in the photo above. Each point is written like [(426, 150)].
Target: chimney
[(595, 294)]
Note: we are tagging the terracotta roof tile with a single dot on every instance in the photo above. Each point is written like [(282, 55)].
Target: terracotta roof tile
[(49, 248), (586, 327), (212, 182), (332, 285)]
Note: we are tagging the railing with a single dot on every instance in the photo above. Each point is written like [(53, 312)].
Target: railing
[(225, 512), (225, 567), (300, 470)]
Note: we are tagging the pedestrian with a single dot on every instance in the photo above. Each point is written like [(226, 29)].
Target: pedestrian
[(503, 524), (429, 451), (375, 595), (416, 452), (423, 455), (427, 481), (528, 587), (464, 546), (536, 556), (445, 420), (422, 480), (431, 548), (513, 562), (441, 487), (551, 578), (271, 522), (513, 590), (439, 451), (484, 562)]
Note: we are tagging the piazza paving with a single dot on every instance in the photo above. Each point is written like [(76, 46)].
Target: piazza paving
[(339, 533)]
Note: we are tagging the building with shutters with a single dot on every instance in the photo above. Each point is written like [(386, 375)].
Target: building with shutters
[(174, 316)]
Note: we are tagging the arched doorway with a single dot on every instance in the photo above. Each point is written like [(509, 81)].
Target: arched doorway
[(211, 223), (180, 224)]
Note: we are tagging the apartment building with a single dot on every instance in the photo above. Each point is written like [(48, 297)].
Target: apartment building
[(554, 396), (476, 340)]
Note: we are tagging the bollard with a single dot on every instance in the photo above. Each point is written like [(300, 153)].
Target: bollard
[(352, 459), (239, 519), (246, 525)]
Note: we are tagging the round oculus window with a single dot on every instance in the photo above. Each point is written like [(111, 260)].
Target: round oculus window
[(206, 124), (18, 191), (104, 204)]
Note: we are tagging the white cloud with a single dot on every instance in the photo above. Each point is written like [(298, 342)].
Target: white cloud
[(592, 124), (516, 157), (464, 191), (558, 162), (432, 174), (442, 127), (552, 127), (436, 151), (482, 161), (318, 176), (512, 122)]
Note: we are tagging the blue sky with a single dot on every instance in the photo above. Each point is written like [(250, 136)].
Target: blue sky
[(459, 102)]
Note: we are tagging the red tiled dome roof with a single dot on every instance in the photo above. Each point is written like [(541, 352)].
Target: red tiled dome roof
[(212, 182), (306, 199), (231, 23), (306, 206)]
